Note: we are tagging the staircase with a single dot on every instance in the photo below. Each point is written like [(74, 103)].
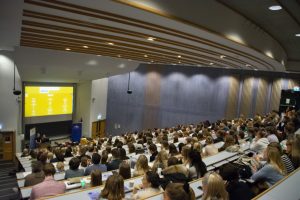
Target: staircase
[(8, 183)]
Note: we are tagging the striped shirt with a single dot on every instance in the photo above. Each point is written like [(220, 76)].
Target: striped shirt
[(287, 163)]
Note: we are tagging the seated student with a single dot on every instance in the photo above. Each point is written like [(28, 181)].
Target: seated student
[(285, 159), (68, 152), (44, 139), (124, 170), (175, 172), (274, 170), (59, 156), (153, 151), (271, 134), (74, 170), (25, 153), (185, 155), (49, 186), (84, 162), (295, 150), (37, 175), (173, 150), (96, 165), (213, 187), (235, 188), (161, 161), (178, 191), (210, 149), (96, 178), (115, 162), (259, 143), (114, 188), (60, 167), (122, 153), (197, 167), (141, 166), (150, 186), (38, 140)]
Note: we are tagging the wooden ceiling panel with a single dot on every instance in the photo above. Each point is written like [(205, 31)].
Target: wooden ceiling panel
[(51, 31)]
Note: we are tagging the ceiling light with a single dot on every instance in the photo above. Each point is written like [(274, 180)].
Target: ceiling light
[(199, 65), (99, 55), (179, 56), (129, 59), (119, 56), (151, 39), (275, 7), (179, 62), (211, 63), (255, 69), (247, 65), (145, 56), (297, 34), (110, 43), (222, 56), (85, 47), (121, 66), (152, 61), (68, 49), (92, 62)]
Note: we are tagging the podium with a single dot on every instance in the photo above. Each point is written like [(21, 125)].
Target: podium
[(76, 132)]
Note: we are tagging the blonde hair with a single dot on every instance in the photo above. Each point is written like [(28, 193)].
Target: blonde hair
[(50, 156), (214, 187), (142, 163), (274, 159), (60, 166), (209, 140)]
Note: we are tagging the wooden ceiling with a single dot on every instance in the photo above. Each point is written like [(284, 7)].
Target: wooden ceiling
[(59, 25)]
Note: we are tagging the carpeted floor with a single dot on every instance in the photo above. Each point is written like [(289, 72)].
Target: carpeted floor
[(8, 183)]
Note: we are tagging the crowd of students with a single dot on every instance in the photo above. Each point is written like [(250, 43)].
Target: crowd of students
[(175, 158)]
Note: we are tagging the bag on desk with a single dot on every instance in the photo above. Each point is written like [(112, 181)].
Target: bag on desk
[(74, 180)]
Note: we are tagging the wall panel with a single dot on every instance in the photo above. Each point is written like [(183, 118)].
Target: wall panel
[(246, 96), (261, 98), (232, 102)]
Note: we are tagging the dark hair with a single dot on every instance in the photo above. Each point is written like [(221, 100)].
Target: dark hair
[(152, 147), (153, 178), (175, 191), (68, 152), (122, 153), (229, 172), (172, 149), (124, 170), (104, 157), (96, 178), (115, 153), (36, 166), (131, 148), (74, 163), (49, 169), (84, 161), (173, 161), (96, 158), (43, 157), (196, 161), (59, 156), (180, 145)]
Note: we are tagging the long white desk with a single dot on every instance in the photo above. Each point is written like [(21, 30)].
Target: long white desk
[(84, 193), (286, 189)]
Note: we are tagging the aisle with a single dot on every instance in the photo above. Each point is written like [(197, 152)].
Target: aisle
[(8, 183)]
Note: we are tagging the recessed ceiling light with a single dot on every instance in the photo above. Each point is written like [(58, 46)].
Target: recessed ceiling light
[(211, 63), (119, 56), (255, 69), (179, 56), (297, 34), (68, 49), (151, 39), (85, 47), (121, 66), (98, 55), (275, 7), (179, 62), (199, 65), (247, 65), (110, 43), (129, 59), (222, 56), (145, 56), (152, 61), (92, 62)]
